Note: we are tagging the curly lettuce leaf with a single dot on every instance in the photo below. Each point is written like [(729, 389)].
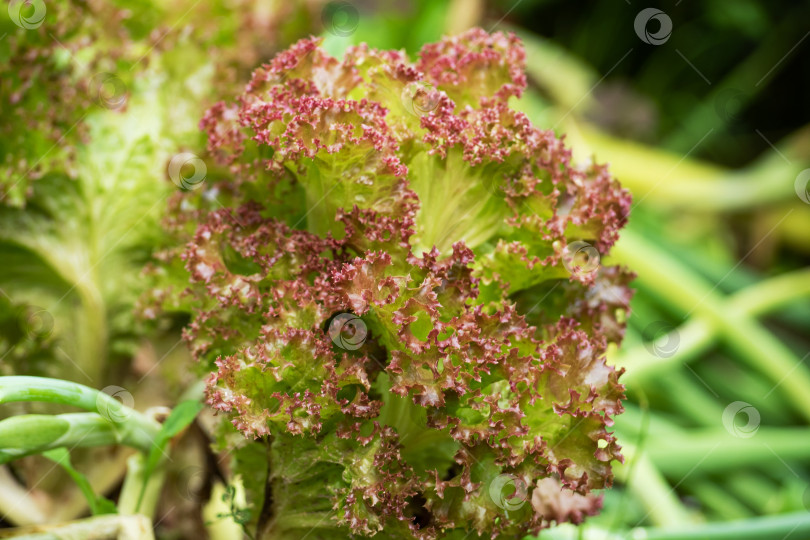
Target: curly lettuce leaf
[(387, 327)]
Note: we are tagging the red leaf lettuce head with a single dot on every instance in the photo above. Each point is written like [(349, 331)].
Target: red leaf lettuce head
[(397, 286)]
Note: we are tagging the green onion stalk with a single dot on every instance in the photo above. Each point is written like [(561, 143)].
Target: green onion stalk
[(106, 422)]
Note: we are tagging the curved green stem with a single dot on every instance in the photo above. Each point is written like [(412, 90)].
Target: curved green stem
[(754, 488), (668, 180), (44, 389), (681, 288), (112, 423), (716, 499), (764, 528), (699, 333), (718, 450), (772, 293), (29, 434), (652, 489)]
